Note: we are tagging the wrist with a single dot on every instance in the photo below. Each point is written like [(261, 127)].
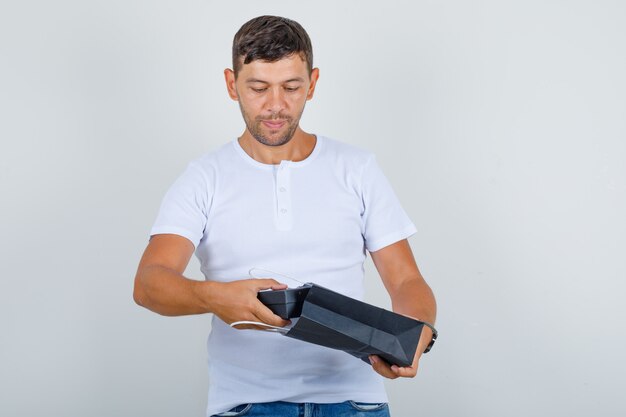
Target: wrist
[(427, 338), (206, 292)]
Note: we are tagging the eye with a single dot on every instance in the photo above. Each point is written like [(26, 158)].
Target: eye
[(258, 90), (291, 89)]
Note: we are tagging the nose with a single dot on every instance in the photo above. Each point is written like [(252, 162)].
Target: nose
[(275, 101)]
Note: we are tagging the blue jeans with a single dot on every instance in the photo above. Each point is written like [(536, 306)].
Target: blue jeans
[(284, 409)]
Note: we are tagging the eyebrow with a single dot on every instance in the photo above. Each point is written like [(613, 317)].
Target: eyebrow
[(291, 80)]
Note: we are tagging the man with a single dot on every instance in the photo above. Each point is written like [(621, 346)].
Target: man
[(281, 199)]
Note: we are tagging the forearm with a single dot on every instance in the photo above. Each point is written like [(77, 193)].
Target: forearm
[(414, 298), (410, 296), (169, 293)]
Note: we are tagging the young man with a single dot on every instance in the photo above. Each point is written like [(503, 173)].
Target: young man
[(280, 199)]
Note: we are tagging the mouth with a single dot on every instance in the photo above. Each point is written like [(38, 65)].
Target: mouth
[(274, 124)]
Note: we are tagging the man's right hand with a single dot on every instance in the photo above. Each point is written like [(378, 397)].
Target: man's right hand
[(237, 301)]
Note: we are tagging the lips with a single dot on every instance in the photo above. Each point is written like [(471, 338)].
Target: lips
[(274, 124)]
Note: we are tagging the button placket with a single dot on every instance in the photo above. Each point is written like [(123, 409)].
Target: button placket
[(283, 196)]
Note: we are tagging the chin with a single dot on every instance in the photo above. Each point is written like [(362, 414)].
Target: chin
[(269, 141), (280, 142)]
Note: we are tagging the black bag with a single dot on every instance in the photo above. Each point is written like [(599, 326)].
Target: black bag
[(333, 320)]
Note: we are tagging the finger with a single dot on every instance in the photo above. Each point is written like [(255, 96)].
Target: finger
[(268, 283), (280, 287), (251, 326), (246, 327), (266, 315), (405, 372), (382, 367)]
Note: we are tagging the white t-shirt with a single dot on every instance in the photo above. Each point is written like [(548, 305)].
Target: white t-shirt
[(311, 220)]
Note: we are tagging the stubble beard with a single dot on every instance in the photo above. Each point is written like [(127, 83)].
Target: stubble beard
[(255, 127)]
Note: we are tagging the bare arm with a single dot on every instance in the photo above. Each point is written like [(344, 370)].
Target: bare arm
[(161, 287), (410, 295)]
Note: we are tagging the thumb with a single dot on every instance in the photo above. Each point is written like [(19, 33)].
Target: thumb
[(265, 315)]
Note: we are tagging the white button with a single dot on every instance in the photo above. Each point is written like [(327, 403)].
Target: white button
[(283, 211), (283, 189)]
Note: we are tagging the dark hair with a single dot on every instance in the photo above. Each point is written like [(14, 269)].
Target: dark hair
[(271, 38)]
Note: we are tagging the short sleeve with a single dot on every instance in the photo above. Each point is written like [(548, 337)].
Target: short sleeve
[(384, 221), (185, 207)]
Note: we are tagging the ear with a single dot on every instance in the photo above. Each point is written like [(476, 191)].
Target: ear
[(229, 77), (315, 74)]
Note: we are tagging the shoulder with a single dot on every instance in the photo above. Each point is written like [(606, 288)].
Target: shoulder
[(214, 161), (346, 153)]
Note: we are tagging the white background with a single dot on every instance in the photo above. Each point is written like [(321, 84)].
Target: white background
[(501, 125)]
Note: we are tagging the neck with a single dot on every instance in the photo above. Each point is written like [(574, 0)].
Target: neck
[(297, 149)]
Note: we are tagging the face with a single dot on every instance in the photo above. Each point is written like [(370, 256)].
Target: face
[(272, 96)]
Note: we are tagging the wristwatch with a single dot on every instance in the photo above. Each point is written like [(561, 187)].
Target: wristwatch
[(432, 341)]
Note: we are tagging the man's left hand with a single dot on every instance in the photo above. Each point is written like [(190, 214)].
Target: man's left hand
[(395, 371)]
